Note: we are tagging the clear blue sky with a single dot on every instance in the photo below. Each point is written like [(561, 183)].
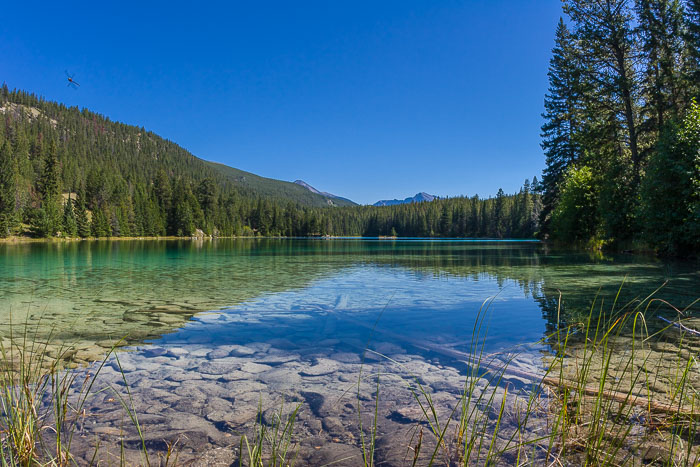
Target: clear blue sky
[(365, 99)]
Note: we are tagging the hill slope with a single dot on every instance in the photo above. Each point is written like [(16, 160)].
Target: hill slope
[(89, 141), (277, 188), (337, 200), (73, 173)]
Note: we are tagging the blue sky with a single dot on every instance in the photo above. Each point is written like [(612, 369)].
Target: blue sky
[(366, 99)]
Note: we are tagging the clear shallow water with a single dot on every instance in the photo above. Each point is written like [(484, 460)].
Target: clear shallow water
[(100, 291), (213, 326)]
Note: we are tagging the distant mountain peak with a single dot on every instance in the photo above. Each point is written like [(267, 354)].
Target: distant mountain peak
[(418, 198), (331, 196), (307, 186)]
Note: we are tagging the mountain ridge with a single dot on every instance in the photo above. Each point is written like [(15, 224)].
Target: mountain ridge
[(72, 173), (139, 146), (339, 199), (418, 198)]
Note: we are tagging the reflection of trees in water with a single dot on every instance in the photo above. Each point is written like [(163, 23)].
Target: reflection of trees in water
[(579, 278), (224, 272)]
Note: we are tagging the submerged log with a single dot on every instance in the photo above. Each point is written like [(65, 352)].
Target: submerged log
[(486, 362), (680, 325)]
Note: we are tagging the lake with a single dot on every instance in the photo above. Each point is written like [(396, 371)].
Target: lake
[(212, 330)]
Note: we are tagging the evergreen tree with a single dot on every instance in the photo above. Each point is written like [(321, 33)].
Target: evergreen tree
[(163, 190), (81, 217), (527, 223), (70, 225), (561, 104), (46, 221), (608, 48), (7, 190), (207, 196), (100, 223), (660, 24), (499, 216), (183, 210), (691, 66), (445, 221), (671, 188)]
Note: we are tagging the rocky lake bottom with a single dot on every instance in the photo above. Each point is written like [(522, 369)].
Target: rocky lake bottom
[(204, 397), (351, 333)]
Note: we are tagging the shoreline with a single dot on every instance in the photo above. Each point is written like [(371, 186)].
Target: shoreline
[(22, 239)]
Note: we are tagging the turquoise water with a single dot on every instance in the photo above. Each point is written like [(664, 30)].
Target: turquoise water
[(94, 293), (214, 330)]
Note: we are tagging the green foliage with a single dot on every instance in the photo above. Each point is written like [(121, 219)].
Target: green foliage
[(660, 27), (133, 183), (575, 218), (691, 35), (100, 223), (7, 190), (618, 81), (46, 220), (70, 225), (42, 224), (561, 104), (81, 217), (618, 193), (670, 208)]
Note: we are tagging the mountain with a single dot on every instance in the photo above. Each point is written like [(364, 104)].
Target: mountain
[(278, 189), (337, 200), (89, 143), (69, 172), (419, 198)]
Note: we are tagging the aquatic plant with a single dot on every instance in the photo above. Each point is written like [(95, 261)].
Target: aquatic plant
[(613, 393), (620, 393), (43, 396), (614, 390), (271, 445), (41, 401)]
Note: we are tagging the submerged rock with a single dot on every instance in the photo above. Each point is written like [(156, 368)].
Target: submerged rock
[(323, 366)]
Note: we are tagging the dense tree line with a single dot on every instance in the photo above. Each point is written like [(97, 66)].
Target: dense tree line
[(502, 216), (72, 173), (622, 125)]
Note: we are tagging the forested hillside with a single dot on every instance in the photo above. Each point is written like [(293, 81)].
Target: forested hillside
[(73, 173), (622, 130)]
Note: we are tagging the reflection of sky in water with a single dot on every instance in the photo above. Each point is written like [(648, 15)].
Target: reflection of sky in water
[(295, 316), (437, 308), (97, 291)]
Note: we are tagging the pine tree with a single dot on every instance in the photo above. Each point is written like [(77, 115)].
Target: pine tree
[(445, 221), (46, 220), (81, 217), (163, 190), (562, 104), (499, 215), (660, 24), (526, 222), (183, 210), (691, 66), (70, 226), (608, 48), (100, 223), (7, 190)]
